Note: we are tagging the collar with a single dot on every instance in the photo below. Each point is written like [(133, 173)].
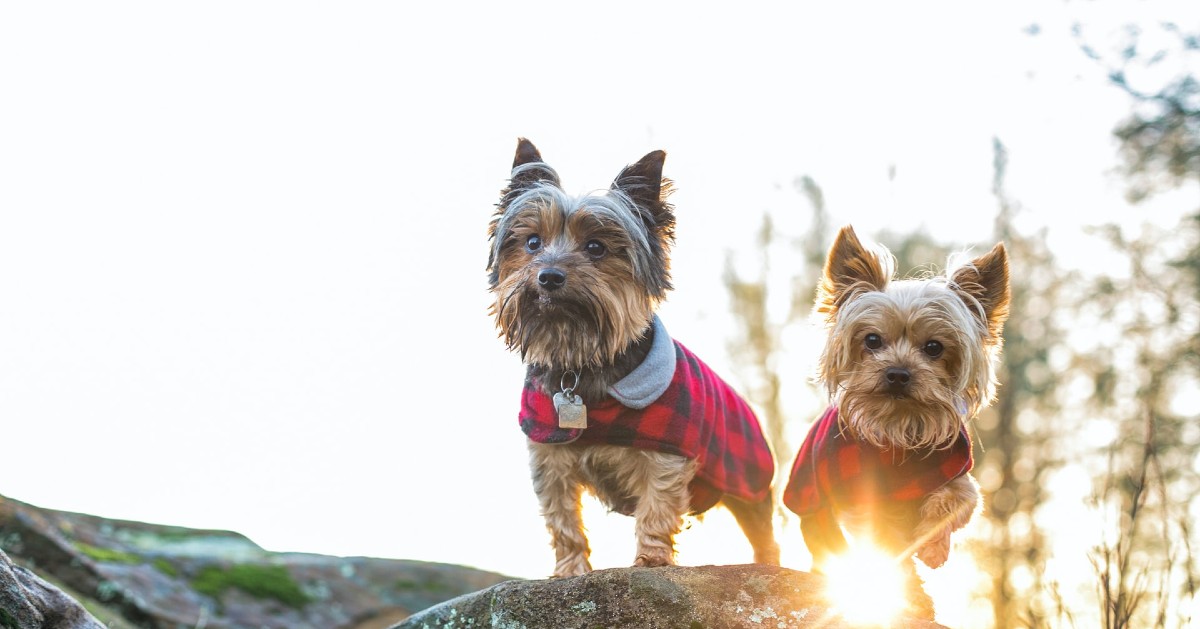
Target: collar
[(650, 379)]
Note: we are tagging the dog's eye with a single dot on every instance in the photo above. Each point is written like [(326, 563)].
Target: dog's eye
[(933, 349), (533, 243), (595, 248), (873, 341)]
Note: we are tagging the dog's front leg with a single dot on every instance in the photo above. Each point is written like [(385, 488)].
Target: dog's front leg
[(947, 509), (662, 482), (823, 537), (559, 491)]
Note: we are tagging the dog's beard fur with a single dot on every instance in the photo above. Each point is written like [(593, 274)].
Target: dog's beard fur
[(963, 310), (597, 313)]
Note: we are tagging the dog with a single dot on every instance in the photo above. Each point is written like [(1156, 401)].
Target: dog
[(907, 363), (611, 403)]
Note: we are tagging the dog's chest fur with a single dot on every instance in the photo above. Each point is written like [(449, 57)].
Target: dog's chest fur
[(615, 475)]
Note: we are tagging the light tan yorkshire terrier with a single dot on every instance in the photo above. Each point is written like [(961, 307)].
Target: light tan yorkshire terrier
[(611, 403), (907, 363)]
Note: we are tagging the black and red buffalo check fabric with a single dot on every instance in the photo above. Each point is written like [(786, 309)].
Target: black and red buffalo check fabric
[(699, 416), (834, 469)]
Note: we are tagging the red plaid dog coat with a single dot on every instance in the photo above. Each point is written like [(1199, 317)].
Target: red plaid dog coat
[(698, 416), (833, 469)]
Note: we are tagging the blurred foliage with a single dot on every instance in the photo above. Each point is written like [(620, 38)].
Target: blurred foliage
[(1145, 566), (1019, 437), (1160, 140), (1151, 484), (783, 263)]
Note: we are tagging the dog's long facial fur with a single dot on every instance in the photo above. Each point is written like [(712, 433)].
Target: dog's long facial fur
[(940, 336), (577, 278)]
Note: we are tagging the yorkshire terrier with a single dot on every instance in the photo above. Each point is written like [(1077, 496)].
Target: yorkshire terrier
[(611, 403), (907, 363)]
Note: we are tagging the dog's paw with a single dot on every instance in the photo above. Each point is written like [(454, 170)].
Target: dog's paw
[(572, 567), (936, 551), (647, 560), (920, 605), (767, 556)]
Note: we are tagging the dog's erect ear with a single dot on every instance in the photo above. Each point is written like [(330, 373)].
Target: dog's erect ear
[(528, 169), (642, 181), (850, 268), (526, 153), (985, 280)]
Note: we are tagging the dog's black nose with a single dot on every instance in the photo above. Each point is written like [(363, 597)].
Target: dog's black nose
[(551, 279), (898, 378)]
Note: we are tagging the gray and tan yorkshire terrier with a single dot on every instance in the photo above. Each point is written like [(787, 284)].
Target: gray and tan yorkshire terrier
[(906, 363), (612, 404)]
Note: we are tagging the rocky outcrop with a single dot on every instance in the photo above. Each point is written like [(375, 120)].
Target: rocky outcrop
[(708, 597), (133, 574), (28, 602)]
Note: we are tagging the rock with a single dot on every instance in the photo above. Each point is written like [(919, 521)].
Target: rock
[(162, 577), (708, 597), (28, 602)]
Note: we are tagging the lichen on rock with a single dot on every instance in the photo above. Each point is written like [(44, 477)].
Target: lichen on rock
[(674, 597)]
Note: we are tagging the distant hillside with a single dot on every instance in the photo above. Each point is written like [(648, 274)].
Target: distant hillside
[(133, 574)]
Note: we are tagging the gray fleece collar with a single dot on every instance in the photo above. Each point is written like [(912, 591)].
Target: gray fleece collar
[(650, 379)]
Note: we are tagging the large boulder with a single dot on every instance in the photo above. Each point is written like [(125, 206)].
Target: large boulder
[(136, 574), (708, 597), (28, 602)]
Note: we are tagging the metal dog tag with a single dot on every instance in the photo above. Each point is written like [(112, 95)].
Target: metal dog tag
[(572, 412)]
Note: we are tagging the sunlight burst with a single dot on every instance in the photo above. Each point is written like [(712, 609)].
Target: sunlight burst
[(865, 587)]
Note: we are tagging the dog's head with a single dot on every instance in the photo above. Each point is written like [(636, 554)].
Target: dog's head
[(576, 279), (907, 361)]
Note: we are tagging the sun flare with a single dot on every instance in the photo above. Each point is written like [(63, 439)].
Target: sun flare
[(865, 587)]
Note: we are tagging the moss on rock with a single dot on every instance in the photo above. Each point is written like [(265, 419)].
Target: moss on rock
[(108, 555), (259, 581)]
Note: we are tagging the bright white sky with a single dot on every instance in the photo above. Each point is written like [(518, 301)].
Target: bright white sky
[(242, 244)]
